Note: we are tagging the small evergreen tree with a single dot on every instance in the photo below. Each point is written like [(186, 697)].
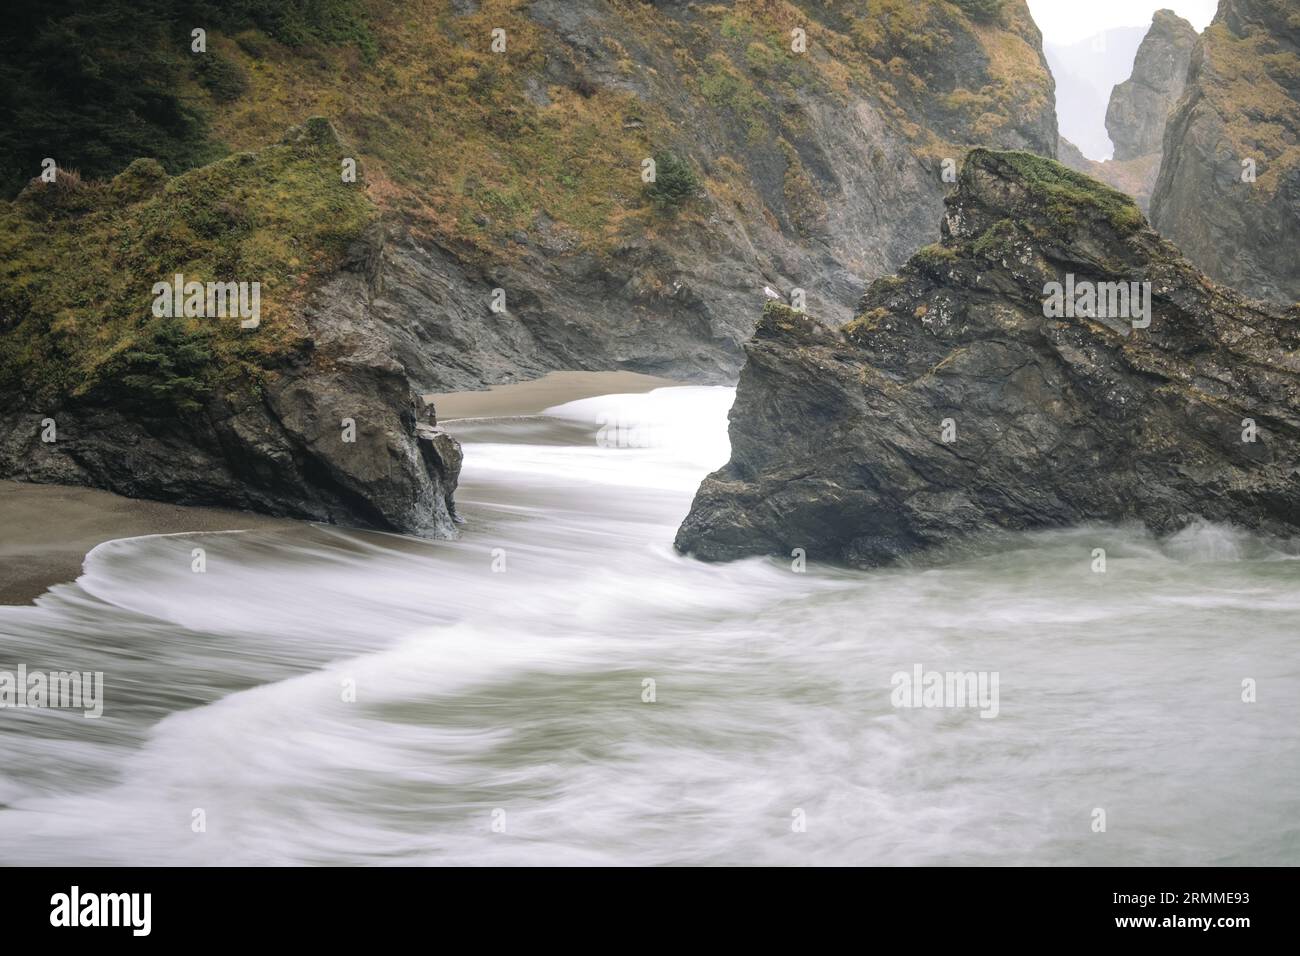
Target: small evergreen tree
[(675, 182)]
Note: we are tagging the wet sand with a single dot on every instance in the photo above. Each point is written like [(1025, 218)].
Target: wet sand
[(46, 530), (529, 398)]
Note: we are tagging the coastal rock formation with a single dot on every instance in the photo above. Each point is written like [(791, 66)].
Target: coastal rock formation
[(332, 435), (515, 233), (308, 414), (966, 399), (1228, 193), (1135, 117), (491, 217)]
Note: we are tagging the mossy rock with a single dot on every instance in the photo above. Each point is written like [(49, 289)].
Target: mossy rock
[(1061, 191), (934, 258), (998, 241)]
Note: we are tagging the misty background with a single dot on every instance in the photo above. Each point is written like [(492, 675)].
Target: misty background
[(1090, 48)]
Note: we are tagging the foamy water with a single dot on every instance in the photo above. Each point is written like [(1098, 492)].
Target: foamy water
[(500, 712)]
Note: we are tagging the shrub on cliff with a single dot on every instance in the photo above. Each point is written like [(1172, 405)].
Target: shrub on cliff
[(675, 182)]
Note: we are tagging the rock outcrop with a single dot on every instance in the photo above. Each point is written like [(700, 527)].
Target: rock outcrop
[(332, 435), (1228, 193), (1135, 117), (965, 399), (309, 412)]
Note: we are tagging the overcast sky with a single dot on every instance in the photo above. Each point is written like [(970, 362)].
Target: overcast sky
[(1066, 21)]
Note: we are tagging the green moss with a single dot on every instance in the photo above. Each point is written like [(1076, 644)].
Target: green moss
[(868, 321), (887, 285), (996, 241), (76, 284), (780, 311), (141, 179), (934, 256), (727, 89), (1063, 190)]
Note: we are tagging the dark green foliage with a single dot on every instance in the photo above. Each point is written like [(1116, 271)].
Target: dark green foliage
[(93, 90), (222, 78), (675, 182), (298, 23), (169, 369), (97, 85)]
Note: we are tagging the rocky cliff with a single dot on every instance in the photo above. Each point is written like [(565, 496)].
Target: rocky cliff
[(1228, 193), (1135, 116), (599, 184), (971, 395), (506, 147)]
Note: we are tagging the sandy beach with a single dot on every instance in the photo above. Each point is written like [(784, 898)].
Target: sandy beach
[(46, 530), (539, 394)]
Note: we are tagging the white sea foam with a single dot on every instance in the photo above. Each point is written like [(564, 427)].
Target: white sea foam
[(503, 678)]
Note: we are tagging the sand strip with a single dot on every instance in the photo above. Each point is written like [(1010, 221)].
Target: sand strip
[(46, 530), (530, 398)]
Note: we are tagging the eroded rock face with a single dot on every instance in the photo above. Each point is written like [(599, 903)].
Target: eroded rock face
[(953, 406), (333, 435), (1135, 117), (838, 184), (1228, 193)]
